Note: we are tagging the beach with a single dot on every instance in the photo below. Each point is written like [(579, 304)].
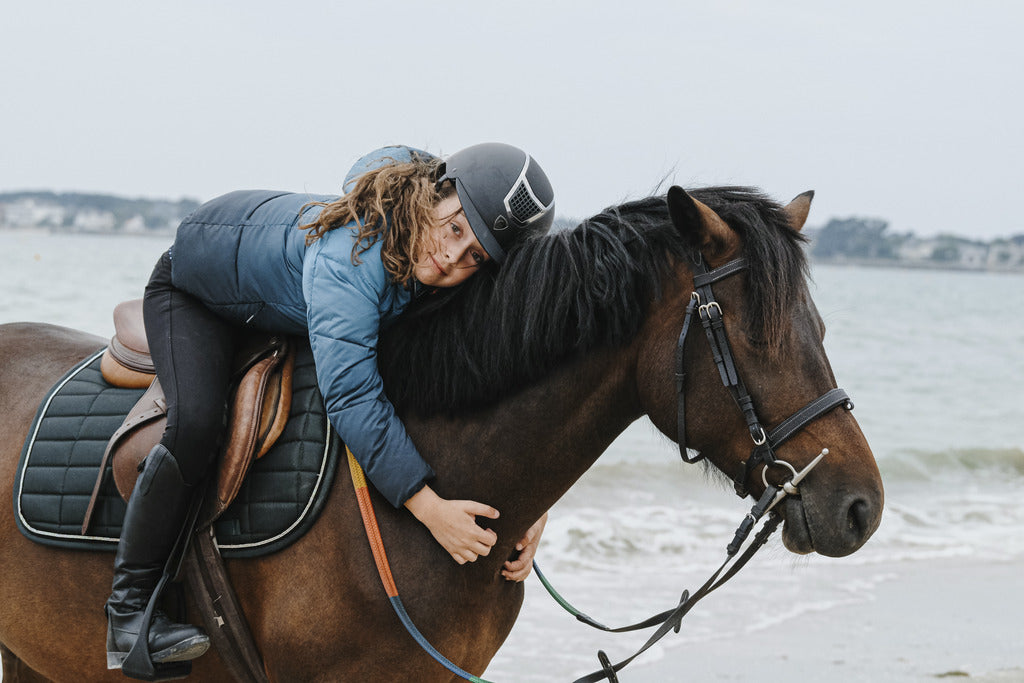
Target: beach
[(923, 621), (937, 593), (912, 605)]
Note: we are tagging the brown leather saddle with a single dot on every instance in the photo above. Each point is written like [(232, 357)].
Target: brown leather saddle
[(259, 407)]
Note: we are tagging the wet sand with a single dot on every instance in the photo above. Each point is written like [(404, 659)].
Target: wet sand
[(928, 620)]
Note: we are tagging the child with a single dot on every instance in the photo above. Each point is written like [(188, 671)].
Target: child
[(408, 224)]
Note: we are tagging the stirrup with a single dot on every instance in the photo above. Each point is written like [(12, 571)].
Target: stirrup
[(138, 662)]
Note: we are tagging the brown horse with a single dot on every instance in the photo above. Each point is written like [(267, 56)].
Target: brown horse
[(511, 388)]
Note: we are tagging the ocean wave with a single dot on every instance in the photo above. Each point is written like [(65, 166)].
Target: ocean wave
[(954, 464), (645, 462), (598, 538), (660, 517), (909, 464)]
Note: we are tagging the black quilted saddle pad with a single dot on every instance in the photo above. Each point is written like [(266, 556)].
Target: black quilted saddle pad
[(281, 497)]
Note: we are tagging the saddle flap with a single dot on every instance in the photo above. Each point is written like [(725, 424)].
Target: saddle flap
[(259, 412), (133, 441)]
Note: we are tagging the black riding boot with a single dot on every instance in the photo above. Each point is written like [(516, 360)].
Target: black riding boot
[(156, 513)]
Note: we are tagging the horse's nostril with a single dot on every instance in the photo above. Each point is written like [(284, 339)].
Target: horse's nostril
[(859, 518)]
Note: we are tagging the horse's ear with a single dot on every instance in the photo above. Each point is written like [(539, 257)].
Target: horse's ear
[(796, 211), (701, 227), (685, 215)]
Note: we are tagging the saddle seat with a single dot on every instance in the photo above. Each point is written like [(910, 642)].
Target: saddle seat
[(259, 406)]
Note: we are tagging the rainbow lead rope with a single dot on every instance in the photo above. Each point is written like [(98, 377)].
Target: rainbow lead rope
[(384, 569)]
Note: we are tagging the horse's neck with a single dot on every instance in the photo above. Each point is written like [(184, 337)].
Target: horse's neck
[(523, 454)]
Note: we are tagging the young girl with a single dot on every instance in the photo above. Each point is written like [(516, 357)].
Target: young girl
[(409, 223)]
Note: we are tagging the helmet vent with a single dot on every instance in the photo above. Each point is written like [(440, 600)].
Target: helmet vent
[(522, 205)]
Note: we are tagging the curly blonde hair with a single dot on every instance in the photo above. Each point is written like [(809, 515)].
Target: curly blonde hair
[(394, 203)]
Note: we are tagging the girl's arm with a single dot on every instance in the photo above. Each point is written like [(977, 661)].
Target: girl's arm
[(453, 523), (344, 321)]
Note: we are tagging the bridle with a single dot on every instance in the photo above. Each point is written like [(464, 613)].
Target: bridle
[(709, 311), (704, 305)]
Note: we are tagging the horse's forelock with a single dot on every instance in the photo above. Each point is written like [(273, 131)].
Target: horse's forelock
[(778, 268)]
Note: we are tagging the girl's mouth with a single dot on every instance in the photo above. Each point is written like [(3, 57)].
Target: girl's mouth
[(437, 265)]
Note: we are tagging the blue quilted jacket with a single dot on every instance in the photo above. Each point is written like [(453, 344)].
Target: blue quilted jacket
[(243, 256)]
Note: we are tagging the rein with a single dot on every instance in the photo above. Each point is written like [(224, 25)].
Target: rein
[(384, 569), (669, 620), (708, 310)]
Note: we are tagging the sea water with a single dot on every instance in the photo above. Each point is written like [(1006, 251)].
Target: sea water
[(932, 359)]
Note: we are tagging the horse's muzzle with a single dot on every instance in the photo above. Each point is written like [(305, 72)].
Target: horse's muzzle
[(834, 530)]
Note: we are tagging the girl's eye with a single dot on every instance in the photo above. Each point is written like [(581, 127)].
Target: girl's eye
[(456, 230), (478, 258)]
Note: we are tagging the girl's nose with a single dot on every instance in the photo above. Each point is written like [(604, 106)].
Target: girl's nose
[(456, 254)]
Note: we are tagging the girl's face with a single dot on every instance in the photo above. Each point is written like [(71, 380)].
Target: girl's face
[(451, 252)]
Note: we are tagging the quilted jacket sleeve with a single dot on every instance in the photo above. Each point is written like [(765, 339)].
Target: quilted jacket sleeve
[(343, 310)]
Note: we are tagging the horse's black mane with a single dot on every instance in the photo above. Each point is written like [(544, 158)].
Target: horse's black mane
[(570, 292)]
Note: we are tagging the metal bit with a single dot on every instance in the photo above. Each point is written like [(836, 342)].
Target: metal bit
[(790, 487)]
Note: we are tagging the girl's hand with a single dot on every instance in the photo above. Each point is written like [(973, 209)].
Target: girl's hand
[(519, 568), (452, 523)]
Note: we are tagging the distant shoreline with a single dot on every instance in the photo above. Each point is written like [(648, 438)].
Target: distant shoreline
[(814, 260), (913, 265)]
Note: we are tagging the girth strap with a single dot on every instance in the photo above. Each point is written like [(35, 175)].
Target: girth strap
[(221, 611)]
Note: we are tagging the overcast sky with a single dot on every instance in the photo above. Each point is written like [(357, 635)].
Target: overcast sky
[(907, 111)]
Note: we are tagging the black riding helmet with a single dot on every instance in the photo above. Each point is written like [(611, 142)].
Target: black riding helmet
[(505, 194)]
